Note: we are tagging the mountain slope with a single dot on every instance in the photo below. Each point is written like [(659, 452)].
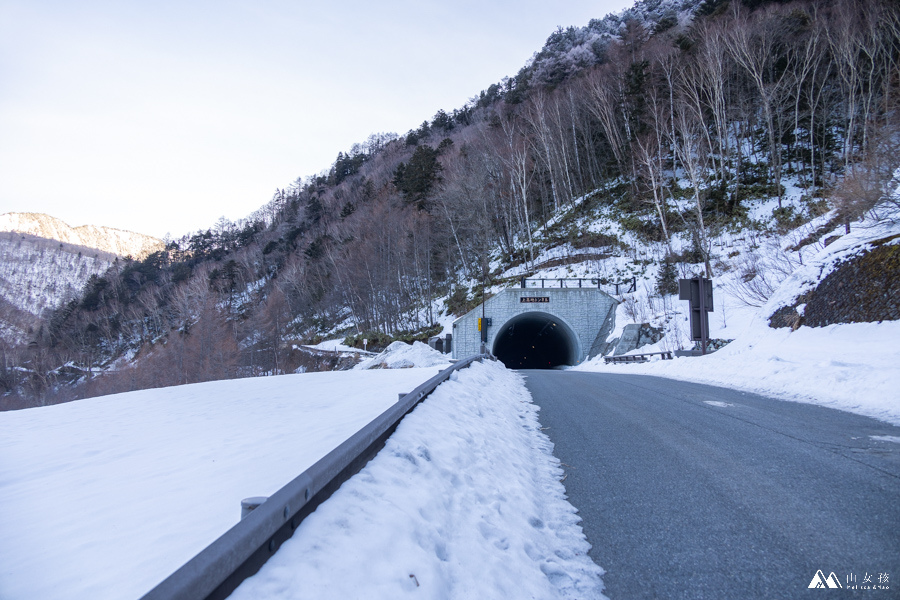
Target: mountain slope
[(37, 274), (45, 262), (105, 239)]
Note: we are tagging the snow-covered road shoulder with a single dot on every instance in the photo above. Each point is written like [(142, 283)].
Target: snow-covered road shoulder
[(851, 367), (463, 502)]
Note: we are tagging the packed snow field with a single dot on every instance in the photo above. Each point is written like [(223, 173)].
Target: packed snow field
[(105, 497)]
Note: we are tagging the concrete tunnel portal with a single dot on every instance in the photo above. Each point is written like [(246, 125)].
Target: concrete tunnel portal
[(536, 340), (538, 328)]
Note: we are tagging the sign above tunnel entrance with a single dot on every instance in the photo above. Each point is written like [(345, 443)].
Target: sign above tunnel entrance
[(534, 299)]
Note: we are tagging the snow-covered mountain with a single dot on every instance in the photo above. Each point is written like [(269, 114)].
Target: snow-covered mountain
[(45, 262), (37, 274), (105, 239), (573, 49)]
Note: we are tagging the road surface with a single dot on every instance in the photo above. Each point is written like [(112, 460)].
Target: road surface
[(693, 491)]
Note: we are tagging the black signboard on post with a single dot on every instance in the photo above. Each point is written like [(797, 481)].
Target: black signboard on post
[(483, 324), (698, 291)]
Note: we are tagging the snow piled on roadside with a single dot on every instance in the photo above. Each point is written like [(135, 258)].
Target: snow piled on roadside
[(401, 355), (336, 345), (851, 367), (463, 502)]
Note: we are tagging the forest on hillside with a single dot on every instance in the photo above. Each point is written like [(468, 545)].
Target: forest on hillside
[(676, 115)]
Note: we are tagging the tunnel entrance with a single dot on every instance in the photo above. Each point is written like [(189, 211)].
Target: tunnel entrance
[(535, 340)]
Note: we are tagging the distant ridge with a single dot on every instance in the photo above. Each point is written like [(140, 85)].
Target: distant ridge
[(106, 239)]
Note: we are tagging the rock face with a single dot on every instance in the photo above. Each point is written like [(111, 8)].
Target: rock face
[(636, 335), (864, 288), (106, 239)]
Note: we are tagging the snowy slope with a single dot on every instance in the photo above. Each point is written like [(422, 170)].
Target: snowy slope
[(852, 367), (37, 274), (105, 239), (45, 262), (16, 325)]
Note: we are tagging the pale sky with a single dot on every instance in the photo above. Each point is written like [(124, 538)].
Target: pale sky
[(161, 116)]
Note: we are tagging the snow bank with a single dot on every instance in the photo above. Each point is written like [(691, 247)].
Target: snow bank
[(852, 367), (105, 497), (463, 502), (336, 345), (401, 355)]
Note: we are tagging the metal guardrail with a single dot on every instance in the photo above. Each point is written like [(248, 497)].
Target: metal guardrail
[(633, 358), (242, 550)]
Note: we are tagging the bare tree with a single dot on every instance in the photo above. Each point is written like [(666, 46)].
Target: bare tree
[(712, 74), (693, 152), (647, 152), (754, 42), (605, 105), (514, 153), (537, 114)]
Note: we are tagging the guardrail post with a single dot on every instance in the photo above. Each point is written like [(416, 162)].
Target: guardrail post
[(248, 505)]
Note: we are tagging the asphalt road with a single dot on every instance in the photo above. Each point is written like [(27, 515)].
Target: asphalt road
[(694, 491)]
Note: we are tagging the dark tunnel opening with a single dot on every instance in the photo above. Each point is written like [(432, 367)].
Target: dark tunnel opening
[(535, 340)]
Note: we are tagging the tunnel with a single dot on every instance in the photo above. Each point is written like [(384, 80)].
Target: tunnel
[(536, 340)]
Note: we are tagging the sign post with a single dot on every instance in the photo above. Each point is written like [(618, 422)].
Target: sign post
[(699, 293)]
